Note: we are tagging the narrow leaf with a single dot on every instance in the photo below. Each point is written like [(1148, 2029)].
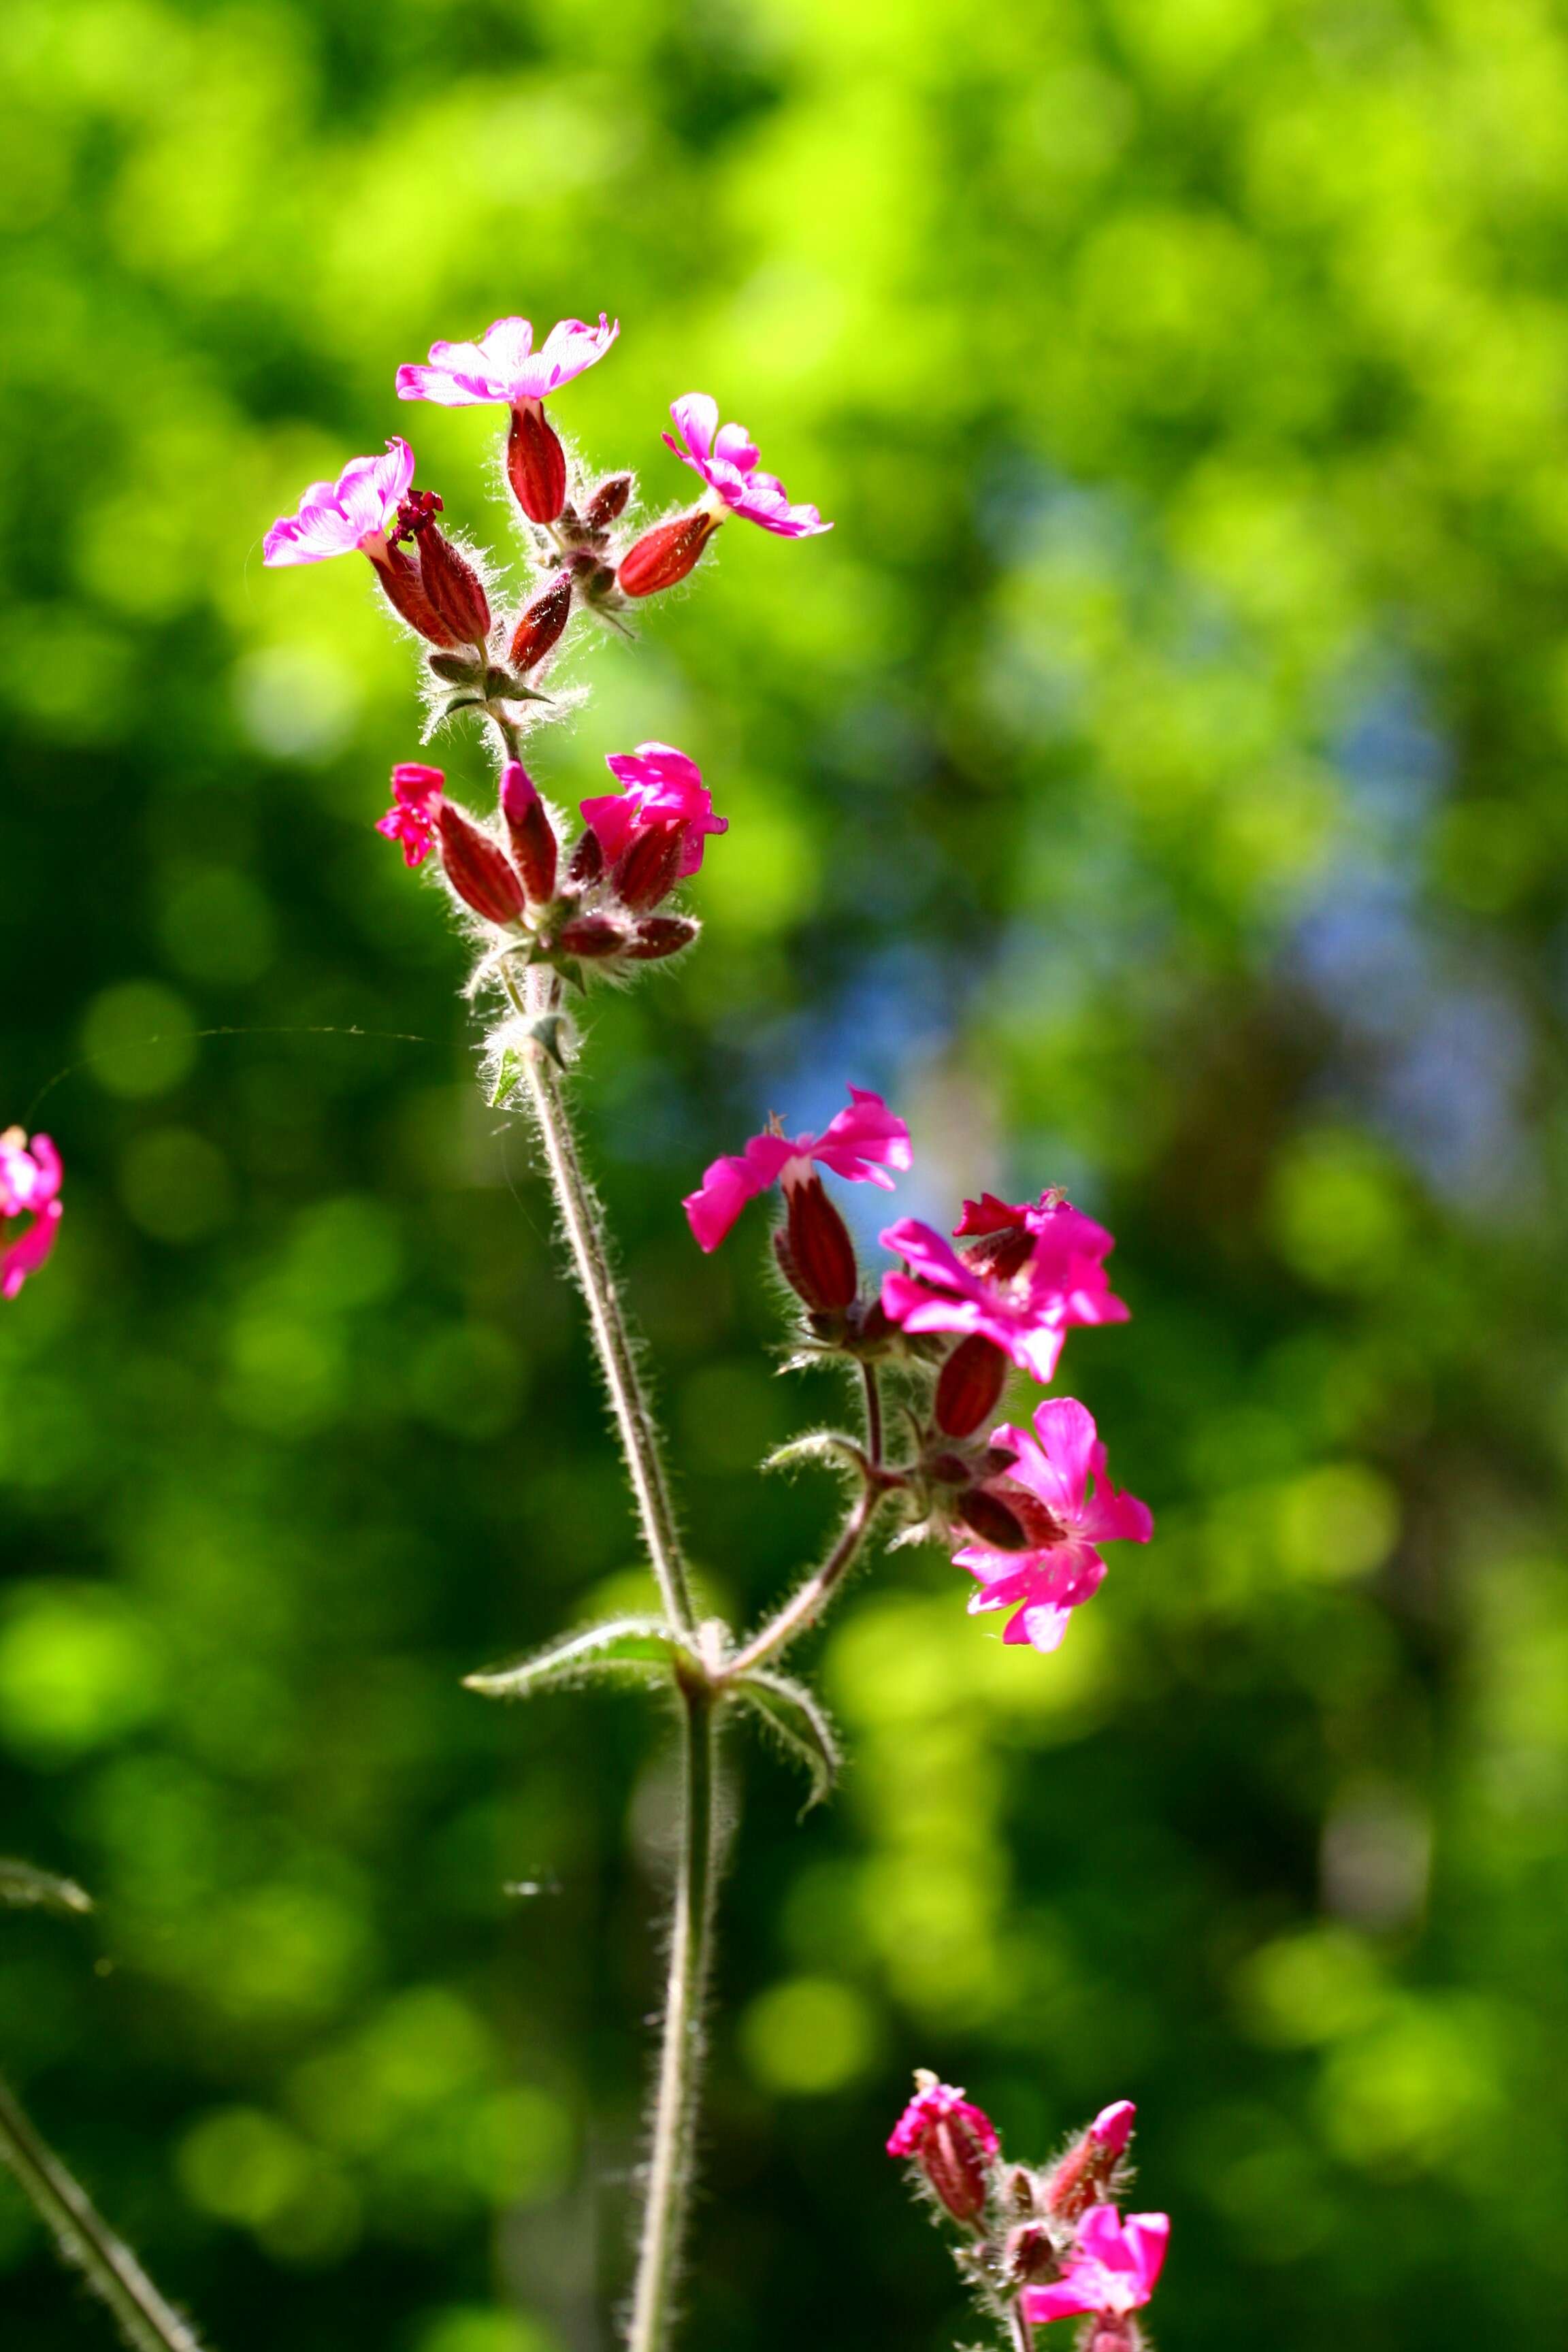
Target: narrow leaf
[(829, 1445), (22, 1888), (797, 1719), (622, 1644)]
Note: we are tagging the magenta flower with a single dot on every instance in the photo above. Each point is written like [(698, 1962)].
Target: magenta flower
[(29, 1187), (861, 1143), (417, 795), (1112, 2127), (357, 510), (1029, 1275), (950, 2140), (664, 789), (726, 458), (1049, 1487), (503, 368), (1113, 2270)]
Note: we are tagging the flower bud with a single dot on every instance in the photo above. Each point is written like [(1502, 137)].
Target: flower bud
[(530, 831), (818, 1256), (650, 868), (541, 623), (1086, 2175), (661, 935), (477, 870), (969, 1383), (406, 593), (587, 858), (666, 553), (448, 579), (608, 502), (592, 936), (950, 2140), (1030, 2257), (535, 464), (1009, 1519)]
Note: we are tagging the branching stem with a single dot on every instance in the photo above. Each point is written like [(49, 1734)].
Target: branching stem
[(85, 2239), (584, 1224), (807, 1601), (669, 2168)]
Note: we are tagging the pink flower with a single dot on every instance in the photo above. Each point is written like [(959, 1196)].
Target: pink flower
[(29, 1186), (1050, 1481), (726, 458), (952, 2141), (503, 367), (1029, 1275), (664, 788), (417, 794), (1112, 2272), (1112, 2127), (860, 1144), (357, 510)]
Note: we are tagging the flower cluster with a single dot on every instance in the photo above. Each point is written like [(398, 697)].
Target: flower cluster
[(1032, 1504), (30, 1207), (1047, 2242)]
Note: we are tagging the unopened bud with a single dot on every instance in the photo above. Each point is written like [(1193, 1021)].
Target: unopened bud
[(587, 858), (820, 1264), (650, 868), (980, 1508), (529, 831), (404, 592), (541, 623), (1115, 2332), (591, 936), (479, 871), (666, 553), (451, 583), (1086, 2175), (1030, 2257), (969, 1383), (535, 464), (608, 502), (657, 936)]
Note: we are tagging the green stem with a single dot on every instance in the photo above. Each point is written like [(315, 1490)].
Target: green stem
[(873, 1411), (669, 2168), (85, 2239), (584, 1223), (807, 1601)]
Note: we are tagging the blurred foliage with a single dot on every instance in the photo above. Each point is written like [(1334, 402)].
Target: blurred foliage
[(1155, 781)]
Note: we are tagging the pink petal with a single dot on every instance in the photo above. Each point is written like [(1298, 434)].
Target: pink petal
[(1112, 2127), (28, 1253), (695, 416), (729, 1183)]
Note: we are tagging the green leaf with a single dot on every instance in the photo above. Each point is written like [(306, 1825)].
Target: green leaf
[(796, 1719), (829, 1445), (22, 1888), (622, 1644)]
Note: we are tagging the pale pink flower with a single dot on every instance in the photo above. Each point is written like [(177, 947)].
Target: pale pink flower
[(503, 368), (357, 510), (417, 795), (29, 1187), (861, 1144), (1029, 1274), (663, 787), (726, 458), (1060, 1466), (1112, 2272)]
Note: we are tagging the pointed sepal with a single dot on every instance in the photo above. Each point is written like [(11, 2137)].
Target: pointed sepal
[(794, 1716)]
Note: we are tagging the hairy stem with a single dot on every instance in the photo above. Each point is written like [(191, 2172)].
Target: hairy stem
[(670, 2166), (873, 1411), (1018, 2328), (584, 1223), (85, 2239), (810, 1599)]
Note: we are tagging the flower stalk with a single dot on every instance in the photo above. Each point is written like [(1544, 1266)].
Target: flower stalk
[(85, 2240)]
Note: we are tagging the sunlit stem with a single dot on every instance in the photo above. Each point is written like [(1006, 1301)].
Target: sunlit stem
[(670, 2153), (582, 1221), (84, 2239)]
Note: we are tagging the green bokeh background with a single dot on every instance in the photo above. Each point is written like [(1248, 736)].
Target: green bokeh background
[(1156, 783)]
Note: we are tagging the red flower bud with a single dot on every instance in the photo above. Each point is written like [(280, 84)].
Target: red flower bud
[(448, 579), (661, 935), (981, 1508), (608, 502), (818, 1256), (535, 464), (1030, 2257), (587, 858), (406, 593), (950, 2140), (541, 623), (1087, 2174), (650, 868), (969, 1383), (529, 832), (477, 870), (666, 553), (592, 936)]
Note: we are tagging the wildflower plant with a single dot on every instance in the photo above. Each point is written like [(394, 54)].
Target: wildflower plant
[(556, 903)]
